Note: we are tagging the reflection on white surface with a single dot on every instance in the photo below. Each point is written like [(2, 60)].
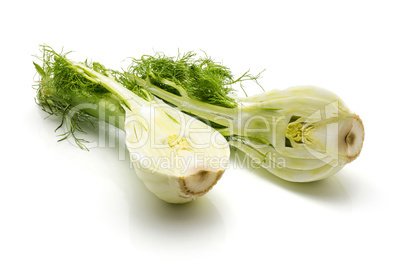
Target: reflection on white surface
[(330, 190), (177, 227)]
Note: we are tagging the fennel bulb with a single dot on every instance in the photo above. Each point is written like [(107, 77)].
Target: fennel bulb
[(299, 134), (177, 156)]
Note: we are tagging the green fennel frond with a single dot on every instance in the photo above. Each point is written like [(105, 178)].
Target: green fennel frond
[(199, 78), (58, 87), (63, 90)]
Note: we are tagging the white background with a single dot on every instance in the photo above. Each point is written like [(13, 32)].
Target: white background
[(61, 207)]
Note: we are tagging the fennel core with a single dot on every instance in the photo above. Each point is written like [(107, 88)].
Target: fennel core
[(154, 131)]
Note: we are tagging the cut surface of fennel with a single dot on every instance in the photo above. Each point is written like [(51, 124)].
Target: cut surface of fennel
[(301, 134), (177, 157)]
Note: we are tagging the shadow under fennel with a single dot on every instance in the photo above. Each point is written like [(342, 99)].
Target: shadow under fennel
[(151, 220), (329, 190)]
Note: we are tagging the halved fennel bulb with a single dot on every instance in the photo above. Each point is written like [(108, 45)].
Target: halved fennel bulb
[(177, 156), (312, 134), (301, 134)]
